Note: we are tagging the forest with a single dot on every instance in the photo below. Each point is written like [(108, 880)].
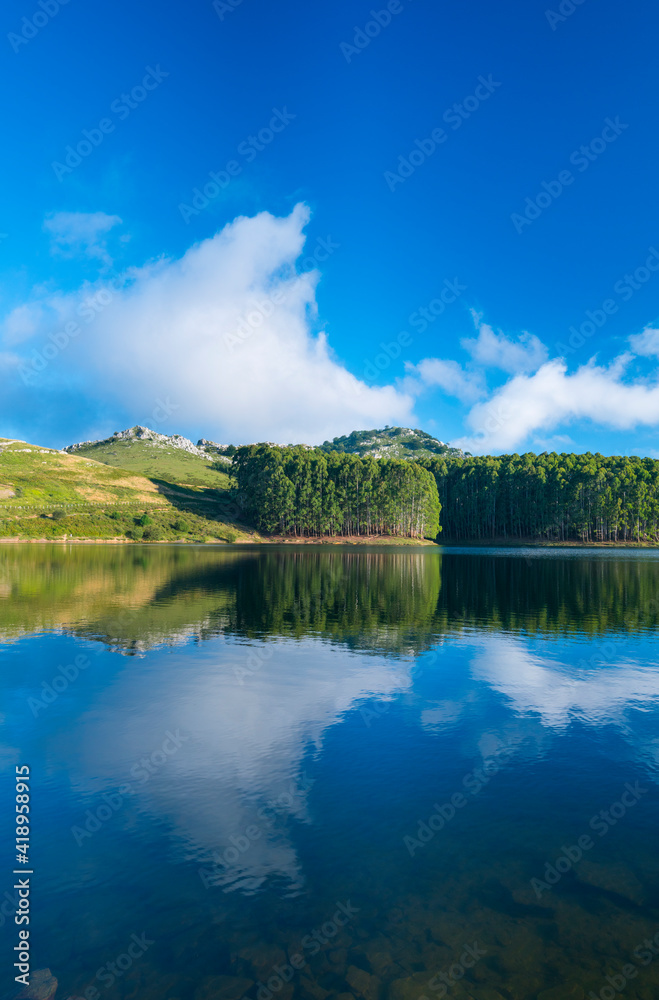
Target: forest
[(550, 497), (301, 491)]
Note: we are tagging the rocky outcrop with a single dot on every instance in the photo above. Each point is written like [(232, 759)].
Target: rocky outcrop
[(138, 433)]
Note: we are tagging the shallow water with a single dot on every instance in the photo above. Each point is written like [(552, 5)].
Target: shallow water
[(351, 761)]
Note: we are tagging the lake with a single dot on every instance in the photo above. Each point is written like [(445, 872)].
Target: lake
[(333, 772)]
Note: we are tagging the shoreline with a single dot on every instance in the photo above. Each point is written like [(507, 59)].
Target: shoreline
[(571, 544), (347, 540), (343, 540)]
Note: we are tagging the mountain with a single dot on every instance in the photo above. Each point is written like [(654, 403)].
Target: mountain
[(174, 459), (392, 442)]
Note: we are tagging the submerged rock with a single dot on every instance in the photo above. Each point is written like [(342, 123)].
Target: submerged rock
[(43, 985), (338, 958), (311, 990), (383, 964), (223, 988), (262, 958), (363, 982), (478, 992), (571, 991), (411, 987), (612, 878)]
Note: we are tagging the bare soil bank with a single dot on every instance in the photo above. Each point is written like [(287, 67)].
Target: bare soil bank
[(340, 540)]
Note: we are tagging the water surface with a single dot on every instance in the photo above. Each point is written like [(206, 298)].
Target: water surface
[(361, 760)]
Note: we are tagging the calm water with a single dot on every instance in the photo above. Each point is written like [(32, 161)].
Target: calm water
[(325, 773)]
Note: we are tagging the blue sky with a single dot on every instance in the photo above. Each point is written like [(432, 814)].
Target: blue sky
[(351, 198)]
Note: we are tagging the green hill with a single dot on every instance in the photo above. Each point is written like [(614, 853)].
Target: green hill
[(172, 459), (177, 460), (391, 442), (49, 494), (140, 485)]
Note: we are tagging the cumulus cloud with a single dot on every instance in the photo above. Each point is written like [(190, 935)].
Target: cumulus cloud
[(495, 350), (75, 234), (488, 349), (228, 334), (553, 396), (467, 386), (646, 344)]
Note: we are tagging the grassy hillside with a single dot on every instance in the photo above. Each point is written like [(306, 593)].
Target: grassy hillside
[(140, 485), (391, 442), (177, 460), (50, 494), (157, 458)]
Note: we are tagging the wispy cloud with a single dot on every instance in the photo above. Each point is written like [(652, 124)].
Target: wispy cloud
[(553, 397), (81, 234)]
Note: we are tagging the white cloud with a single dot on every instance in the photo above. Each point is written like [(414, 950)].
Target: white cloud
[(646, 343), (75, 234), (451, 377), (495, 350), (22, 324), (558, 692), (552, 396), (258, 728), (227, 334), (488, 350)]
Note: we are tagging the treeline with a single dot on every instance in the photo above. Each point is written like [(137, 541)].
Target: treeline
[(301, 491), (548, 497), (585, 498)]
